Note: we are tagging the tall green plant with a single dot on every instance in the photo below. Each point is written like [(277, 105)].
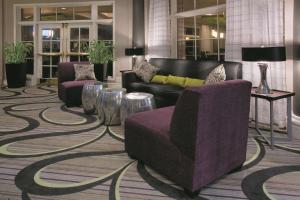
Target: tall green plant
[(100, 52), (15, 53)]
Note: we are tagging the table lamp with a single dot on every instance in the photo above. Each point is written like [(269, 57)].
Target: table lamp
[(262, 55), (134, 52)]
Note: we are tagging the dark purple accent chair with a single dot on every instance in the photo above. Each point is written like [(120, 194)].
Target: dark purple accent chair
[(200, 139), (69, 90)]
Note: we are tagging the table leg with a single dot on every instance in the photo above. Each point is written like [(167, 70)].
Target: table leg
[(271, 123), (289, 119), (256, 114)]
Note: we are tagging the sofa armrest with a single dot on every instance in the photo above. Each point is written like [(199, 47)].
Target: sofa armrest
[(128, 76)]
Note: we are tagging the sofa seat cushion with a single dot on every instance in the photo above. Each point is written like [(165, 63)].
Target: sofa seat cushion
[(71, 92), (160, 90)]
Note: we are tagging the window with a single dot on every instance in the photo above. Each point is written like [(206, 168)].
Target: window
[(27, 14), (201, 31), (65, 13), (105, 12)]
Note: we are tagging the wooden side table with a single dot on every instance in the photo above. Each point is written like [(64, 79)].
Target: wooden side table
[(275, 95)]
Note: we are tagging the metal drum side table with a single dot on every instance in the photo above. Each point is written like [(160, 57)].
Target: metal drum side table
[(108, 105), (136, 102), (90, 92)]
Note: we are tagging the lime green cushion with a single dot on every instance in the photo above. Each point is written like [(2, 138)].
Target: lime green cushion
[(159, 79), (176, 80), (192, 82)]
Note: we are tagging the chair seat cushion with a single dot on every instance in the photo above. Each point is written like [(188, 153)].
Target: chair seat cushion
[(71, 92), (72, 84), (147, 138)]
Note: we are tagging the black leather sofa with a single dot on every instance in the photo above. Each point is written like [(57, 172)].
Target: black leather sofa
[(166, 95)]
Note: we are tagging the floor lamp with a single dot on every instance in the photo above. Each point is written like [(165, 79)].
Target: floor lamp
[(263, 55)]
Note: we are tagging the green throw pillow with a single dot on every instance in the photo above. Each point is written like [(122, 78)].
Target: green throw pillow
[(193, 82), (176, 80), (159, 79)]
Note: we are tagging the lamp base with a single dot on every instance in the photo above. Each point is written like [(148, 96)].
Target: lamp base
[(263, 87)]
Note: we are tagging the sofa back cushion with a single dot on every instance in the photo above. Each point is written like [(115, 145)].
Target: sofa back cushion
[(195, 69)]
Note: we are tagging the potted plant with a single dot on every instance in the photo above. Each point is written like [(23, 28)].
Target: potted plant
[(100, 54), (15, 63)]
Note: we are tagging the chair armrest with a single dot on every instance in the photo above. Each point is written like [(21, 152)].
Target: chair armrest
[(128, 76)]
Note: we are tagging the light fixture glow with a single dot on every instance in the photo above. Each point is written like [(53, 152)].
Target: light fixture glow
[(214, 33)]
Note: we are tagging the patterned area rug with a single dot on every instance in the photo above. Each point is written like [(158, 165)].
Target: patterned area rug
[(48, 151)]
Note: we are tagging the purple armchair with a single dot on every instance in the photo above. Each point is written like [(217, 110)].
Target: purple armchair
[(69, 90), (201, 138)]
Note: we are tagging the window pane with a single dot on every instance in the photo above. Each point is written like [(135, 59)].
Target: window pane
[(55, 47), (205, 3), (55, 60), (54, 72), (74, 46), (46, 72), (185, 5), (207, 49), (46, 60), (74, 58), (105, 12), (206, 26), (27, 33), (48, 14), (84, 46), (26, 14), (84, 33), (46, 46), (105, 32), (82, 13), (65, 13), (84, 58), (74, 32), (56, 34)]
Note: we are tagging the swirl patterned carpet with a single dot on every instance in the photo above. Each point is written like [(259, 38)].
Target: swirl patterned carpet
[(48, 151)]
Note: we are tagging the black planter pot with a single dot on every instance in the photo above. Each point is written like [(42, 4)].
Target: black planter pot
[(16, 75), (100, 71)]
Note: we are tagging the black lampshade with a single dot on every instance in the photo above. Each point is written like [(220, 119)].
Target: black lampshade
[(263, 54), (134, 51)]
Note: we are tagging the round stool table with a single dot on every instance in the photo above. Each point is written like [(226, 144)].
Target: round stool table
[(136, 102), (90, 92), (108, 105)]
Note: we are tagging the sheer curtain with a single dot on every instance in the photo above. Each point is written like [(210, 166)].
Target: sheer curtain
[(159, 35), (256, 23)]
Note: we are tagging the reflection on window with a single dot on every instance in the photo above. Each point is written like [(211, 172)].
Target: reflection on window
[(82, 13), (26, 14), (48, 14), (27, 36), (65, 13), (105, 12), (202, 37), (105, 32)]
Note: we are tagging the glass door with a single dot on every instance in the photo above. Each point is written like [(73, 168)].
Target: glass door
[(62, 43), (50, 50), (78, 40)]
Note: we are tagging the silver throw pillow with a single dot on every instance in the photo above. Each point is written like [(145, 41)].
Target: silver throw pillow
[(216, 75), (145, 71), (84, 72)]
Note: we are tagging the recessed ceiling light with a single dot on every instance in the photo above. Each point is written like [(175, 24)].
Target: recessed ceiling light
[(63, 8)]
